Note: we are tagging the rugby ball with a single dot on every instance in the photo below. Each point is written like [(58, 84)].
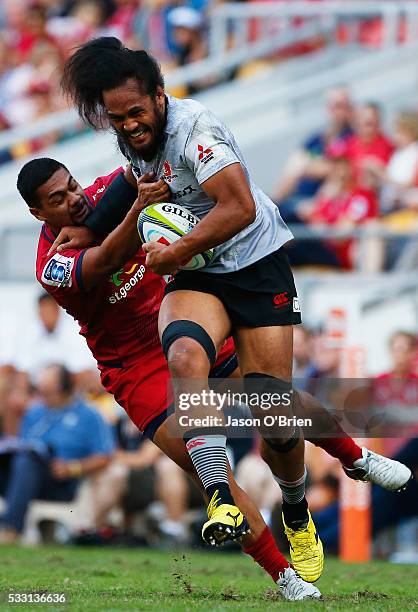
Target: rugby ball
[(165, 222)]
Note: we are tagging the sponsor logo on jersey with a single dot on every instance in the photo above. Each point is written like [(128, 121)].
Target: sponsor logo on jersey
[(57, 272), (135, 275), (205, 155), (100, 190), (281, 299), (296, 305), (168, 172), (177, 195)]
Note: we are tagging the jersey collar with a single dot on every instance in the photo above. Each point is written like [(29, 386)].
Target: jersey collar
[(48, 233), (171, 104)]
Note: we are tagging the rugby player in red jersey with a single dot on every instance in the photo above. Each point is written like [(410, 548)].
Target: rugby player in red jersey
[(116, 300), (117, 312)]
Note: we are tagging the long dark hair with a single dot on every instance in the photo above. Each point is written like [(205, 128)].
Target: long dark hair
[(103, 64)]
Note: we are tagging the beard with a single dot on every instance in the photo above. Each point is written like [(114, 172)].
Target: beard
[(149, 151)]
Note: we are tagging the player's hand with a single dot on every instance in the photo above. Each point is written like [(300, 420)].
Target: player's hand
[(150, 191), (160, 258), (73, 237)]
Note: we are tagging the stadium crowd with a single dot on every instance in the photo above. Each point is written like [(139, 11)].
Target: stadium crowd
[(37, 36), (59, 429), (351, 173)]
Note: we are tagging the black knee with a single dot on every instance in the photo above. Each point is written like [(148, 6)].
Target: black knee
[(274, 393), (187, 329), (275, 399), (287, 445)]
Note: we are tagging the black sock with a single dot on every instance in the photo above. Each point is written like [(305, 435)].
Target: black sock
[(295, 515), (224, 494)]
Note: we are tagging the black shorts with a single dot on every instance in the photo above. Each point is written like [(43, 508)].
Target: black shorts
[(260, 295)]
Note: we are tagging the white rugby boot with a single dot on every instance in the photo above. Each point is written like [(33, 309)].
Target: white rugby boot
[(387, 473), (293, 588)]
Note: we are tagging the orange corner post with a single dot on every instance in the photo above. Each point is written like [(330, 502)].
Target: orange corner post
[(355, 497)]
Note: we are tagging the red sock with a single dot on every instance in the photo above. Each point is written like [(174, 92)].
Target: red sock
[(344, 448), (265, 553)]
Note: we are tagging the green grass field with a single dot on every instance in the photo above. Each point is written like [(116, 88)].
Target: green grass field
[(127, 579)]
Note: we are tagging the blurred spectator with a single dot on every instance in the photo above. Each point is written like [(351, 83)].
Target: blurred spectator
[(187, 24), (309, 167), (152, 30), (53, 339), (303, 366), (255, 477), (31, 31), (15, 395), (368, 149), (340, 203), (61, 441), (89, 384), (403, 351), (326, 355), (122, 20), (343, 204), (397, 391), (399, 179), (89, 13)]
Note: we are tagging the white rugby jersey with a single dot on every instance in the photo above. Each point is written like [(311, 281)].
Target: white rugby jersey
[(196, 146)]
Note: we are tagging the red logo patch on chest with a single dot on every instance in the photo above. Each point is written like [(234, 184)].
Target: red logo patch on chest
[(168, 172)]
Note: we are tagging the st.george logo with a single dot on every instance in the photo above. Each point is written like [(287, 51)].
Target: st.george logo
[(125, 280)]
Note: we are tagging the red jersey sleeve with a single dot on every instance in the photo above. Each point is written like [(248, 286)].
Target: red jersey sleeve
[(60, 273), (96, 191)]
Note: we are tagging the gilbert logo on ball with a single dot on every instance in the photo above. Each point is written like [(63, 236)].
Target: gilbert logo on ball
[(165, 222)]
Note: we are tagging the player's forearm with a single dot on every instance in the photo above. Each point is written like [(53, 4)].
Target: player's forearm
[(121, 244), (113, 206), (118, 248), (223, 222)]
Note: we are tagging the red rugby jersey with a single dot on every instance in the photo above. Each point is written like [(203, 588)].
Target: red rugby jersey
[(119, 316)]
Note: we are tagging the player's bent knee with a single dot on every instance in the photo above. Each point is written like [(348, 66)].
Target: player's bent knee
[(275, 401), (275, 395), (186, 359), (188, 348), (271, 446), (258, 382)]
